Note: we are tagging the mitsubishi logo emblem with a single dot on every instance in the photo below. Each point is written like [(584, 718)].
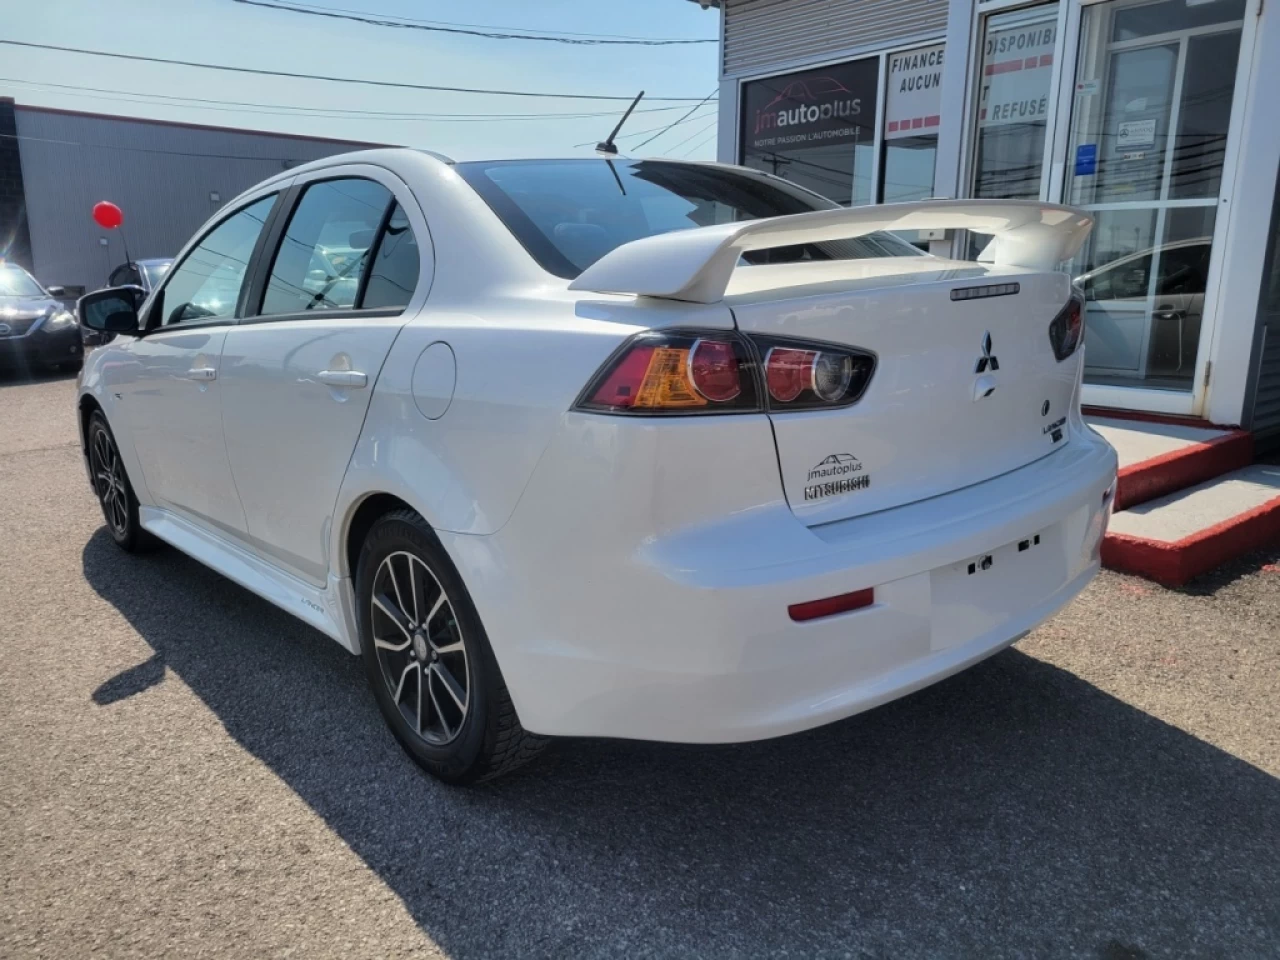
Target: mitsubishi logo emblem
[(988, 359)]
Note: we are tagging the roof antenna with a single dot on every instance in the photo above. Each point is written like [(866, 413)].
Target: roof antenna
[(607, 146)]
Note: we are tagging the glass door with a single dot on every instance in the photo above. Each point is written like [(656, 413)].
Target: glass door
[(1153, 94)]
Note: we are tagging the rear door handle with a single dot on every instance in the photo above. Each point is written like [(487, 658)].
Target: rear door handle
[(202, 373), (352, 379)]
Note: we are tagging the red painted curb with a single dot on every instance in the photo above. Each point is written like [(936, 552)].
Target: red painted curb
[(1141, 416), (1173, 563), (1179, 469)]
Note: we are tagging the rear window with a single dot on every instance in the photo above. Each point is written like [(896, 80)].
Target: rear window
[(570, 213)]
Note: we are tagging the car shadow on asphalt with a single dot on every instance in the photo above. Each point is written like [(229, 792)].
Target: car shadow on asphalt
[(1012, 810)]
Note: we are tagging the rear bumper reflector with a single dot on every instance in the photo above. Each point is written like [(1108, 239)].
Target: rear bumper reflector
[(830, 606)]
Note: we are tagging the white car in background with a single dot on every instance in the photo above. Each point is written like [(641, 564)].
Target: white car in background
[(644, 449)]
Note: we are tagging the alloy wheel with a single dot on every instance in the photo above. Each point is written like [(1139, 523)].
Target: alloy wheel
[(420, 648), (109, 482)]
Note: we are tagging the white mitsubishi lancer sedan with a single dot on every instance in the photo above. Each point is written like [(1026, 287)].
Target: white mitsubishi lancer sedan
[(619, 448)]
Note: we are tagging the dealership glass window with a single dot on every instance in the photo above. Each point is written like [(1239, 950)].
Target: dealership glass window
[(815, 128), (912, 115), (1154, 87), (1013, 102)]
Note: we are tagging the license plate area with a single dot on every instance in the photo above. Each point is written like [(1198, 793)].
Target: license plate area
[(978, 594)]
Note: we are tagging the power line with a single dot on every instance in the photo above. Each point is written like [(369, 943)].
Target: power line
[(137, 58), (696, 133), (378, 20), (687, 119), (485, 26), (641, 133), (670, 125), (697, 146), (280, 109)]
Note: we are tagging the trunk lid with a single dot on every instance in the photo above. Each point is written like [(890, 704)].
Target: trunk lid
[(964, 390)]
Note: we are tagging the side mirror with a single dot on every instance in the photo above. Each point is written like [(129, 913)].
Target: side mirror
[(114, 310), (56, 292)]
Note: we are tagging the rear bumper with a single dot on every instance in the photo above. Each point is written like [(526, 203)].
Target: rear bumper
[(686, 637)]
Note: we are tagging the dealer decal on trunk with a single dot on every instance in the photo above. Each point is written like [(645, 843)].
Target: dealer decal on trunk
[(839, 473)]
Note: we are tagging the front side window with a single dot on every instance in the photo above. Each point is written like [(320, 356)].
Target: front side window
[(206, 285), (123, 275), (325, 247), (570, 213)]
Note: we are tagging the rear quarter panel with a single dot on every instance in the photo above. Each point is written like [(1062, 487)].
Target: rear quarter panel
[(520, 363)]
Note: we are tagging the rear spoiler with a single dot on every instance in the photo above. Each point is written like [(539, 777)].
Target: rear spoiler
[(696, 265)]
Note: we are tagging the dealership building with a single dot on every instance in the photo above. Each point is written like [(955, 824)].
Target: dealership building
[(168, 178), (1158, 117)]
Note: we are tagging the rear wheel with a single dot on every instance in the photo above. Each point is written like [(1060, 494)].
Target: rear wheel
[(115, 493), (428, 659)]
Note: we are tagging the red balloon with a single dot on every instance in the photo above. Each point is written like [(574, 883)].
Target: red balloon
[(107, 215)]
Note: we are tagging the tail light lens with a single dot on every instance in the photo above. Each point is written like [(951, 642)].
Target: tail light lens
[(676, 373), (813, 376), (1067, 329), (692, 372), (714, 370)]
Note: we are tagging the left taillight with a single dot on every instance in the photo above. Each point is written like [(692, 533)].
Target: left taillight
[(1067, 328), (676, 374), (693, 372)]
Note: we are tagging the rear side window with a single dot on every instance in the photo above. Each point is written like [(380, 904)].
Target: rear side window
[(326, 246), (393, 274)]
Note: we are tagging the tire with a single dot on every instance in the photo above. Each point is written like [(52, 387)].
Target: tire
[(417, 622), (114, 491)]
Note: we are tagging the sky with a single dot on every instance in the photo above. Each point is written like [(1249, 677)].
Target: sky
[(235, 33)]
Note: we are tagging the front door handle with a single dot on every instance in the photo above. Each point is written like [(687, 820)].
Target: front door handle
[(202, 373), (351, 379)]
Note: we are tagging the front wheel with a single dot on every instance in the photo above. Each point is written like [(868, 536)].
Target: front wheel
[(428, 659), (115, 493)]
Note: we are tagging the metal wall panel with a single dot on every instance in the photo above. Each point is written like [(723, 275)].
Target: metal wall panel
[(761, 35), (1262, 391), (161, 175), (1266, 401), (1262, 387)]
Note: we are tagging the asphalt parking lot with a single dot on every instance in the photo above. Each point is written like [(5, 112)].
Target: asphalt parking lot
[(187, 772)]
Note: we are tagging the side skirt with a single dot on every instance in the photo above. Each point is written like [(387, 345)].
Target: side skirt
[(329, 609)]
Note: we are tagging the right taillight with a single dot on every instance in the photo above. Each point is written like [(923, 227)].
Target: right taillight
[(811, 376), (692, 372), (1067, 329)]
